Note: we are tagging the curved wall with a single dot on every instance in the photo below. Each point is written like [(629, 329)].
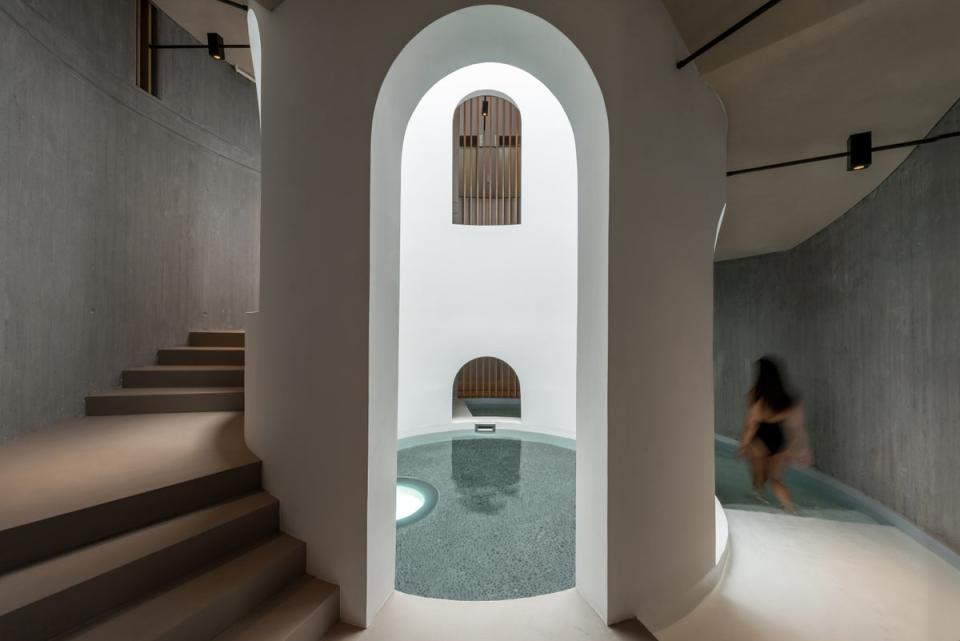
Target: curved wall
[(865, 315), (328, 328), (503, 291), (125, 220)]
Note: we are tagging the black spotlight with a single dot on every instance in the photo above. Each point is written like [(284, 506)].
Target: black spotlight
[(859, 151), (485, 111), (215, 46)]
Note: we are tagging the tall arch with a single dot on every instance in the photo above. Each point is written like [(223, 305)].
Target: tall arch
[(493, 33), (651, 189)]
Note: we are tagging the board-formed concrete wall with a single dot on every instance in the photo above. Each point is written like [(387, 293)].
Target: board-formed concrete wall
[(866, 315), (125, 220)]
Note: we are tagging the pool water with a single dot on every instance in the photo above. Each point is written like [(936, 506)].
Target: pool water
[(814, 499), (503, 526)]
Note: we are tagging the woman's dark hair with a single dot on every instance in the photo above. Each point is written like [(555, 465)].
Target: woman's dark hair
[(769, 387)]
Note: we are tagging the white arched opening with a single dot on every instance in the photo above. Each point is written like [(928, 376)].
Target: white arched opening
[(503, 290), (508, 36), (323, 352)]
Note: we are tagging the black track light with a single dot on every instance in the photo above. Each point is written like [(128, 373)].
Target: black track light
[(859, 151), (215, 46)]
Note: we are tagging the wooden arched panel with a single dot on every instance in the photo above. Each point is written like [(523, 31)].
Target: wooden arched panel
[(486, 158)]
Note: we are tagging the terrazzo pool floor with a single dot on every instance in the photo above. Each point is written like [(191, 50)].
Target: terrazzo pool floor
[(503, 526)]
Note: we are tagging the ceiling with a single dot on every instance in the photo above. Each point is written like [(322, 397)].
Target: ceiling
[(801, 78), (795, 83)]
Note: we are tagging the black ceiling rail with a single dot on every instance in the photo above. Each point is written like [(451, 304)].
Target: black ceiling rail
[(844, 154), (726, 34), (235, 5), (214, 46)]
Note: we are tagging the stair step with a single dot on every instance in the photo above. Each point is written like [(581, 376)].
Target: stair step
[(157, 400), (93, 478), (208, 603), (217, 338), (184, 376), (302, 612), (200, 356), (60, 594)]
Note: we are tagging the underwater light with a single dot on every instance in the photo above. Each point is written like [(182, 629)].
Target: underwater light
[(415, 499)]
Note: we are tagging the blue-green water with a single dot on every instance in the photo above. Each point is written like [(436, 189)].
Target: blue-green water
[(504, 523), (735, 492)]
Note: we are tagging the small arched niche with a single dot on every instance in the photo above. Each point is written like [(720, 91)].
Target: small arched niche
[(486, 161), (486, 387)]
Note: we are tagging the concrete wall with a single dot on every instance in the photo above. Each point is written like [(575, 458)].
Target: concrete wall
[(867, 316), (323, 415), (125, 220)]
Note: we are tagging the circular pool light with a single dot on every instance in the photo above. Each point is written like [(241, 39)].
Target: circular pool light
[(415, 499)]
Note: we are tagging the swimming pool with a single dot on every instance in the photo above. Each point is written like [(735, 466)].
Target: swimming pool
[(503, 523)]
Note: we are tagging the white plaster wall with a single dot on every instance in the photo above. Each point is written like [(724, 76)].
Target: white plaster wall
[(506, 291), (326, 395)]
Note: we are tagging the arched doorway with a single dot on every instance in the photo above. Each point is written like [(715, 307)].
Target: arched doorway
[(486, 387), (330, 271), (497, 34)]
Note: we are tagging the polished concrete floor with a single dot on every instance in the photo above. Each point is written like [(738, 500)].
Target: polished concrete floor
[(788, 579)]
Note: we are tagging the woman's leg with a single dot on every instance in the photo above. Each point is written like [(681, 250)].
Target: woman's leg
[(775, 474), (758, 465)]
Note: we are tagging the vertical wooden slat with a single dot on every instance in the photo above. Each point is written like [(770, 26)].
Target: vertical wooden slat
[(500, 202), (489, 162), (516, 169)]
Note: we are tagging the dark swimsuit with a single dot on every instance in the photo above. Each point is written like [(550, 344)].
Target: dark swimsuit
[(771, 435)]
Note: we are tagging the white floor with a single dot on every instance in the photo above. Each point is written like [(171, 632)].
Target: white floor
[(788, 579)]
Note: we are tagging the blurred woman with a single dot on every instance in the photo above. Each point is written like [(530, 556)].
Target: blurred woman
[(774, 436)]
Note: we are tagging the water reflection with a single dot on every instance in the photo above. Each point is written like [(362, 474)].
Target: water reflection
[(486, 472)]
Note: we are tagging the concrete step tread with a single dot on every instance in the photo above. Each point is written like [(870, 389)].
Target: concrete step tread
[(166, 391), (52, 576), (234, 337), (192, 355), (217, 331), (204, 605), (305, 610), (187, 368), (202, 349), (109, 458)]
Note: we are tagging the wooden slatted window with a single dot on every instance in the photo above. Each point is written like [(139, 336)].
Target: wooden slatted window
[(486, 157), (487, 377)]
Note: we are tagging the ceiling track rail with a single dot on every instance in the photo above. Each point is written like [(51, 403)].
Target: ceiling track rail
[(729, 32), (235, 5), (844, 154)]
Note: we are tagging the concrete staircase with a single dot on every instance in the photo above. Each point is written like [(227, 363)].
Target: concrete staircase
[(205, 376), (145, 520)]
